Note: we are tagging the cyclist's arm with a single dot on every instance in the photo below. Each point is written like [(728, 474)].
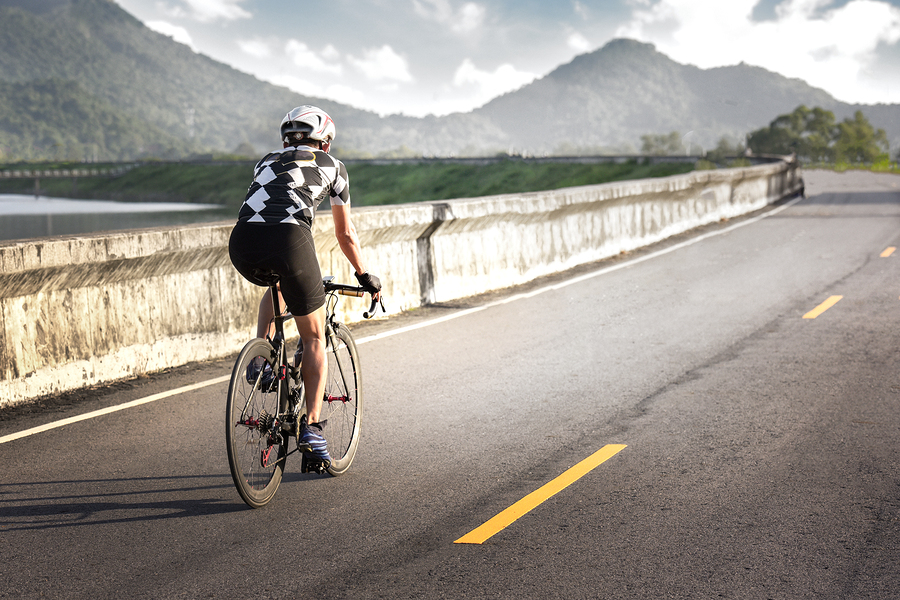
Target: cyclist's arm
[(346, 236)]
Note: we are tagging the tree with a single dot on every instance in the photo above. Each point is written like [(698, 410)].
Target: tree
[(661, 145), (813, 135), (808, 133), (858, 142), (724, 149)]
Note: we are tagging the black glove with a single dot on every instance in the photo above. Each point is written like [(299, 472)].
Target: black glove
[(369, 282)]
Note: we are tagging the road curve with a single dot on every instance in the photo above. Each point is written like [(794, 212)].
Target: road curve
[(739, 442)]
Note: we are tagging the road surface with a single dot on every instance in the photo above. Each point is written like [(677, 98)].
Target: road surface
[(750, 440)]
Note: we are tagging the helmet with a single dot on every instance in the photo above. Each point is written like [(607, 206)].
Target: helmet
[(312, 121)]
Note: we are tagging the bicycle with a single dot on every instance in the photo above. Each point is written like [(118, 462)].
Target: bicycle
[(266, 404)]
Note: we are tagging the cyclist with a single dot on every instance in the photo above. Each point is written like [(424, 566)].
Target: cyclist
[(273, 236)]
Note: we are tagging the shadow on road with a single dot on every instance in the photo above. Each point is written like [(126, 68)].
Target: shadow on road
[(56, 504)]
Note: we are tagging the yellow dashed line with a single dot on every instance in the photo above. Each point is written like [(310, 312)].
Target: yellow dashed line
[(822, 307), (535, 498)]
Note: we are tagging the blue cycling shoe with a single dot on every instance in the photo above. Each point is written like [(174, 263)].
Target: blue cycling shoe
[(311, 442)]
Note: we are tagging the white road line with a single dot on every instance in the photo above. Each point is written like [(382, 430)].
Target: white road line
[(112, 409), (400, 330)]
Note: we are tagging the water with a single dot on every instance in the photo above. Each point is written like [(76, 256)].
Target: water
[(26, 216)]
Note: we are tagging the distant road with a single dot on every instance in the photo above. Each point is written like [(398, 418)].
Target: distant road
[(760, 456)]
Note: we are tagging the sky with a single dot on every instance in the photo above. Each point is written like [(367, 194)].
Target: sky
[(421, 57)]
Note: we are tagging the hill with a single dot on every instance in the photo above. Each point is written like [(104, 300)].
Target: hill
[(84, 79), (613, 95)]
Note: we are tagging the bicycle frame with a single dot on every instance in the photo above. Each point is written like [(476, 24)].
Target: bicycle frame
[(278, 340), (262, 418)]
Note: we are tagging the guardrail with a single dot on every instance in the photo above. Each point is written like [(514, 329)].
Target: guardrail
[(80, 311), (66, 173)]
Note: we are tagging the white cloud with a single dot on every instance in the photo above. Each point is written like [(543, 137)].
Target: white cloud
[(828, 47), (340, 93), (210, 10), (580, 10), (466, 19), (504, 78), (578, 43), (303, 56), (179, 34), (383, 64), (255, 48)]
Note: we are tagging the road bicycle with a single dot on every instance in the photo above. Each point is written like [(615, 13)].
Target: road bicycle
[(266, 405)]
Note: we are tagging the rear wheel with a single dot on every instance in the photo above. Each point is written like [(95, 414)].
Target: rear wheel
[(342, 404), (256, 446)]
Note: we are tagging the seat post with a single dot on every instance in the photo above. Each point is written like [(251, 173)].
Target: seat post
[(279, 320)]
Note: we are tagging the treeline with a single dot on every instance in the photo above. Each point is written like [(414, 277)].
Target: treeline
[(812, 134), (815, 136)]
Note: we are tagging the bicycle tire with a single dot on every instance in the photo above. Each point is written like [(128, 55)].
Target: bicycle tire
[(255, 457), (343, 401)]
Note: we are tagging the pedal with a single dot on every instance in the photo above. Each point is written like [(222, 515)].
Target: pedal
[(312, 465)]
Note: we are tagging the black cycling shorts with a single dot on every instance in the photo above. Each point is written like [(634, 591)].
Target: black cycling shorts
[(260, 250)]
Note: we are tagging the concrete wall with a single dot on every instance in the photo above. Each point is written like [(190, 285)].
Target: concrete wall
[(79, 311)]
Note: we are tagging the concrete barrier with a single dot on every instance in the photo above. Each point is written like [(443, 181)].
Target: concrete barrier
[(85, 310)]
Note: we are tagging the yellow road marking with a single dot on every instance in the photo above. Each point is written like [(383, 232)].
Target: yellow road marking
[(888, 251), (822, 307), (535, 498)]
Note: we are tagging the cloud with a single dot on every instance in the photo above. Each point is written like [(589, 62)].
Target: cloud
[(580, 10), (340, 93), (303, 56), (382, 64), (179, 34), (255, 48), (828, 46), (466, 19), (210, 10), (504, 78), (578, 43)]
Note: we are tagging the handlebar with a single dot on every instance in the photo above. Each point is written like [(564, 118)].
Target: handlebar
[(358, 292)]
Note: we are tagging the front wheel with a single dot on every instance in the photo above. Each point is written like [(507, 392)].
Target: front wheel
[(342, 404), (256, 446)]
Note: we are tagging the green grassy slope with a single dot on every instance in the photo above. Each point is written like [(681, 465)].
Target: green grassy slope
[(370, 184)]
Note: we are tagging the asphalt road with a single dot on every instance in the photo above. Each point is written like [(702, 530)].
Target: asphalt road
[(760, 453)]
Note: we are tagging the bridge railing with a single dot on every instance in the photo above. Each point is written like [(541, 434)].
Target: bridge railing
[(79, 311)]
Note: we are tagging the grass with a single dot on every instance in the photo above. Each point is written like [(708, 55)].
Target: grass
[(392, 184), (371, 184)]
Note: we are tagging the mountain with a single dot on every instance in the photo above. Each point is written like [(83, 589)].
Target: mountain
[(129, 72), (83, 79), (627, 88)]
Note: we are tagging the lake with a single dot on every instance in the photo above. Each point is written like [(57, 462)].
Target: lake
[(27, 216)]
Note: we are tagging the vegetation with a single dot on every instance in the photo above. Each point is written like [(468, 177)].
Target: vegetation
[(816, 138), (662, 145), (225, 183), (58, 120)]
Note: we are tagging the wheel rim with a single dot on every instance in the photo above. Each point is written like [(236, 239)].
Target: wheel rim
[(341, 405), (256, 453)]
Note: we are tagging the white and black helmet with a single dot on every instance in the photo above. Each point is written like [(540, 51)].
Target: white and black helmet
[(310, 120)]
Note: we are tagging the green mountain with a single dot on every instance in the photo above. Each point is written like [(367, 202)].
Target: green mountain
[(83, 79), (613, 95), (121, 71)]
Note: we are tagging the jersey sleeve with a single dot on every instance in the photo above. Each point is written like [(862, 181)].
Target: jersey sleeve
[(340, 191)]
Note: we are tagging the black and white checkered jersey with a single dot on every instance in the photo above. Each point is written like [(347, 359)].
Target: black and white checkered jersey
[(289, 184)]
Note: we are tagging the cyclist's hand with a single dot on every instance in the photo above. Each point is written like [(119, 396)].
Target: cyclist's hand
[(369, 282)]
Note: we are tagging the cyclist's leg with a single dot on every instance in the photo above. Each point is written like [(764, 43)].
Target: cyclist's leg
[(313, 367)]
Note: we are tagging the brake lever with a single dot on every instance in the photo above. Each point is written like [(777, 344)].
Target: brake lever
[(377, 299)]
